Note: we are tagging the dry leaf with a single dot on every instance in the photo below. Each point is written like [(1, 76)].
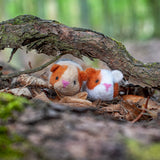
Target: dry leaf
[(77, 102), (81, 95), (122, 110), (26, 80), (42, 96), (18, 92), (132, 98), (110, 109), (132, 109), (152, 107)]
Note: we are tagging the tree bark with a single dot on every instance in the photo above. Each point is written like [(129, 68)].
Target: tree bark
[(49, 36)]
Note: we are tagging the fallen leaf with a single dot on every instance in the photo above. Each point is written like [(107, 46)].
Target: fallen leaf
[(23, 91), (132, 98), (152, 107), (144, 107), (42, 96), (81, 95), (77, 102), (109, 109), (27, 80)]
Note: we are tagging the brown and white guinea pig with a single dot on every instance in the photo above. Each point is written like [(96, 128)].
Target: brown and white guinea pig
[(102, 84), (67, 77)]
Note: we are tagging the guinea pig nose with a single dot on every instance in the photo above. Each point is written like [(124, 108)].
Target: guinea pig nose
[(107, 86), (65, 83)]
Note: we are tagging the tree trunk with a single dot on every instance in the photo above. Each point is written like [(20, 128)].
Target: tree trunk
[(49, 36)]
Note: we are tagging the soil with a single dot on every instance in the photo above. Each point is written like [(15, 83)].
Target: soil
[(67, 133)]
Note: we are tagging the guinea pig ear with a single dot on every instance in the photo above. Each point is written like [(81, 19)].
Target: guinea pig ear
[(54, 67), (117, 76), (83, 75), (90, 71)]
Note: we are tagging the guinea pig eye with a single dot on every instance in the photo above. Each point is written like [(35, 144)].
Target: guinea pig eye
[(57, 78), (97, 81), (74, 82)]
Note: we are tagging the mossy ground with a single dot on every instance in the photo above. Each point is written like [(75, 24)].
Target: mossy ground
[(9, 141), (139, 151), (9, 104)]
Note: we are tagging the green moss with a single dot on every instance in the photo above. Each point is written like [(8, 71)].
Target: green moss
[(138, 151), (152, 65), (11, 145), (14, 147), (22, 19), (8, 142), (9, 104), (6, 38), (2, 28)]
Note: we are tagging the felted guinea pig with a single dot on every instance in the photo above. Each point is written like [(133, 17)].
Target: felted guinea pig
[(67, 77), (102, 84)]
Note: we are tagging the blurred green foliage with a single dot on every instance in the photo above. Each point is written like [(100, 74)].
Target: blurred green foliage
[(9, 104), (121, 19), (8, 142), (139, 151)]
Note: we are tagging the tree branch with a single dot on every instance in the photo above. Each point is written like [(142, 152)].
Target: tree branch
[(16, 74), (46, 36)]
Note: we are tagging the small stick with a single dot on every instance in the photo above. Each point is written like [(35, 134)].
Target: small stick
[(1, 68), (12, 53), (16, 74), (141, 114), (30, 65)]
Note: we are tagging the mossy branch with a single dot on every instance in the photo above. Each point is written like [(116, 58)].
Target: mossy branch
[(48, 36)]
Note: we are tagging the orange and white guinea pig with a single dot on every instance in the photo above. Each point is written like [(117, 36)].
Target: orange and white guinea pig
[(67, 77), (102, 84)]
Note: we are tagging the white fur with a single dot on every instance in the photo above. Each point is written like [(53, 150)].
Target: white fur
[(67, 62), (99, 92), (117, 76)]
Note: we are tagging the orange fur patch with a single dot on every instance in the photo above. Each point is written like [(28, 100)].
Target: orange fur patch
[(94, 78), (58, 71), (82, 76), (54, 67), (116, 90)]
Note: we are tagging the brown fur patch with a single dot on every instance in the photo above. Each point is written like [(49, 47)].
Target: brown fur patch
[(116, 90), (94, 77), (58, 71), (82, 76), (54, 67)]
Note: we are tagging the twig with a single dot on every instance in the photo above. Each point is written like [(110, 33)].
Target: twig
[(141, 114), (1, 67), (12, 53), (30, 66), (15, 74)]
